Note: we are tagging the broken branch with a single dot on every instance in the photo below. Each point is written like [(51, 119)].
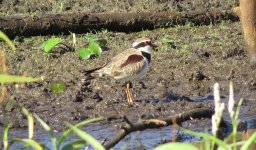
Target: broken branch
[(157, 123)]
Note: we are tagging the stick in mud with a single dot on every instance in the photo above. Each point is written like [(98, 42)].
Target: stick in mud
[(157, 123)]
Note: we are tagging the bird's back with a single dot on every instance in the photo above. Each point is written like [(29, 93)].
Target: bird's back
[(118, 68)]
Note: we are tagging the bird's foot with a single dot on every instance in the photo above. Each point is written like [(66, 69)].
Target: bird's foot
[(132, 102)]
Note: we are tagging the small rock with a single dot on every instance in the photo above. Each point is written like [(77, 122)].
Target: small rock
[(203, 53), (97, 97), (197, 76)]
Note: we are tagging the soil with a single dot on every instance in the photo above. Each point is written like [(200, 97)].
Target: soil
[(188, 61)]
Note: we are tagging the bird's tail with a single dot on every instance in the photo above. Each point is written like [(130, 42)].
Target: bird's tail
[(91, 74)]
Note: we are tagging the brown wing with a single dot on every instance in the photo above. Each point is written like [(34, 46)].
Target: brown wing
[(134, 58), (127, 63)]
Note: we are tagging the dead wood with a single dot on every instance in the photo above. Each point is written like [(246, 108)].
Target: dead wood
[(247, 13), (157, 123), (64, 23)]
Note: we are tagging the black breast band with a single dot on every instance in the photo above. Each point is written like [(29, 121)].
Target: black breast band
[(147, 55)]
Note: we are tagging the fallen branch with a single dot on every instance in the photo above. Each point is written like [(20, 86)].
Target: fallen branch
[(157, 123), (44, 24)]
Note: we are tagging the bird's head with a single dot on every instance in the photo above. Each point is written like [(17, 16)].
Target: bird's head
[(143, 44)]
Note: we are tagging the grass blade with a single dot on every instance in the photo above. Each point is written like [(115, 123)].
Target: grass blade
[(57, 87), (7, 40), (50, 44), (5, 138), (48, 129), (251, 140), (30, 122), (12, 78), (74, 145), (238, 108), (208, 137), (237, 144), (30, 142), (70, 131), (88, 138), (176, 145)]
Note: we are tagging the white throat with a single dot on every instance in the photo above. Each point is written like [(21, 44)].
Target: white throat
[(146, 49)]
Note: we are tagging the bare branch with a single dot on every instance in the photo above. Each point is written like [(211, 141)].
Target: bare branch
[(157, 123)]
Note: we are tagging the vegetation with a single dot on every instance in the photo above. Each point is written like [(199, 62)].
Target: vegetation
[(30, 142), (172, 44), (57, 143), (211, 140), (93, 48)]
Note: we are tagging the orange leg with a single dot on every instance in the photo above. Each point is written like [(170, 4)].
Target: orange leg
[(128, 93)]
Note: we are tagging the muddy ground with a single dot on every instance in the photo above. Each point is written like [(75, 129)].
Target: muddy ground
[(188, 61)]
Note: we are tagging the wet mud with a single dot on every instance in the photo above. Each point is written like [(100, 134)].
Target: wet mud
[(188, 61)]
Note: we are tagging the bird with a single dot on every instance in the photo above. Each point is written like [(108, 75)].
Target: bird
[(128, 65)]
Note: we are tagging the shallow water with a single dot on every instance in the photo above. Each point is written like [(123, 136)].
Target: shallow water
[(147, 139), (138, 140)]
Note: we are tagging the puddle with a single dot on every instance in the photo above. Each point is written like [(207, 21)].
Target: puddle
[(147, 139)]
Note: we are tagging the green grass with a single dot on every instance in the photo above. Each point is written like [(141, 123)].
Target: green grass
[(57, 143), (30, 142), (184, 43), (93, 47), (4, 37)]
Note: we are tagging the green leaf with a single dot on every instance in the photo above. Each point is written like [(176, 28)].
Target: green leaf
[(250, 141), (70, 131), (77, 144), (84, 53), (30, 122), (95, 49), (50, 44), (88, 138), (101, 42), (57, 87), (208, 137), (29, 142), (7, 40), (176, 146), (48, 129), (12, 78), (5, 138), (237, 144)]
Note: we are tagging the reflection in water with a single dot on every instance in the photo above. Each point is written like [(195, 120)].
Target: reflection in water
[(147, 139), (139, 140)]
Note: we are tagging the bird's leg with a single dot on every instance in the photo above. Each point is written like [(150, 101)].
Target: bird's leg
[(128, 92)]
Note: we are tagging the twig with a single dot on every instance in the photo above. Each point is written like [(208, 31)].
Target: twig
[(157, 123), (127, 121)]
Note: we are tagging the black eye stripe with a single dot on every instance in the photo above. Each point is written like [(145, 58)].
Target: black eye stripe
[(142, 44)]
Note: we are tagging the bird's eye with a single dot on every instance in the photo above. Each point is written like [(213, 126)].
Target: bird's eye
[(147, 42)]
